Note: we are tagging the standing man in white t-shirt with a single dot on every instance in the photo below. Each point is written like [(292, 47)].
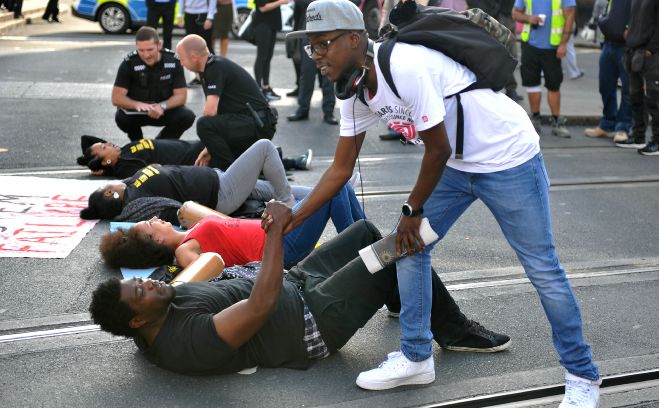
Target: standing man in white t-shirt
[(502, 166)]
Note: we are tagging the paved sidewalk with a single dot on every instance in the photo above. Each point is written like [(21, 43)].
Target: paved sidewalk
[(32, 10)]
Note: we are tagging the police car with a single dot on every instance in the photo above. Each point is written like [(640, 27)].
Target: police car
[(117, 16)]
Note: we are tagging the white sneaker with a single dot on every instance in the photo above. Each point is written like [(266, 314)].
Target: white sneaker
[(397, 370), (580, 392), (355, 179)]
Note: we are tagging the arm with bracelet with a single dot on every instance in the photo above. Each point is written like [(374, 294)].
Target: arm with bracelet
[(209, 265)]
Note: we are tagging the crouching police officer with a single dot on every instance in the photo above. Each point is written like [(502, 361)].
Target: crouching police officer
[(150, 90), (236, 114)]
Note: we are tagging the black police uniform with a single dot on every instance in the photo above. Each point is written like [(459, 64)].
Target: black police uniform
[(235, 127), (153, 84)]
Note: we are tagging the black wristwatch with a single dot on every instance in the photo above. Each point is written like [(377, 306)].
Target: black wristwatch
[(408, 211)]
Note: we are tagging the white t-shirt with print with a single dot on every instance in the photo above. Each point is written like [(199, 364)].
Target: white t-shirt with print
[(498, 134)]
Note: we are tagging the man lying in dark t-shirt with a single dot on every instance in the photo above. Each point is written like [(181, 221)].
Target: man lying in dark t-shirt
[(277, 319)]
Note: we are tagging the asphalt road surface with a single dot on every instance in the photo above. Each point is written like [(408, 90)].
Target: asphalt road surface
[(55, 86)]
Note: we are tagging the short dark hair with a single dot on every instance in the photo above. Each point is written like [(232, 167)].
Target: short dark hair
[(131, 249), (146, 33), (109, 311), (101, 207)]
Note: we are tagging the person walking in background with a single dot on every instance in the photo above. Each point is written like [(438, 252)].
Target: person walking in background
[(570, 61), (267, 21), (157, 9), (642, 64), (198, 20), (308, 74), (52, 11), (222, 25), (546, 32), (615, 118)]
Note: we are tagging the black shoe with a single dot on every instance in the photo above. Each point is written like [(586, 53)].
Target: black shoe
[(55, 20), (512, 94), (303, 162), (650, 149), (391, 136), (479, 339), (294, 93), (270, 95), (330, 119), (298, 116), (45, 18), (194, 83), (632, 143)]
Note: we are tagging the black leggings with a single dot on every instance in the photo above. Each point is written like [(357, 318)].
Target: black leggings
[(265, 48)]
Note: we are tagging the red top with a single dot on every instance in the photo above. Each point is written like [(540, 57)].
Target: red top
[(238, 241)]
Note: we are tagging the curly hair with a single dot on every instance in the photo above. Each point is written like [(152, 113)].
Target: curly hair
[(131, 249), (109, 311)]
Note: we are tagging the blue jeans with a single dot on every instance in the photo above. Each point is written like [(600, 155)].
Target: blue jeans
[(614, 118), (344, 209), (519, 200)]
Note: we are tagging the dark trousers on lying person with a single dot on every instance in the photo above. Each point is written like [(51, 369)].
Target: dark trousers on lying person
[(343, 295), (175, 121), (228, 135)]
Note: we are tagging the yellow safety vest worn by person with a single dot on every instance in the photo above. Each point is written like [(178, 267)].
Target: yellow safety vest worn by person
[(557, 22)]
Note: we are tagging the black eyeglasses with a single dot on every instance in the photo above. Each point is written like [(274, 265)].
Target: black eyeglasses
[(322, 47)]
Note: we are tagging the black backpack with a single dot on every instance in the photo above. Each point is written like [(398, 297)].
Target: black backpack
[(471, 38)]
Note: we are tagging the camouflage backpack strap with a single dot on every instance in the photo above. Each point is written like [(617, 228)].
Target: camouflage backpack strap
[(491, 25)]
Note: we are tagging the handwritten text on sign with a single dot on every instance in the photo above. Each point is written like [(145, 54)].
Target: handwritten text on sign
[(39, 217)]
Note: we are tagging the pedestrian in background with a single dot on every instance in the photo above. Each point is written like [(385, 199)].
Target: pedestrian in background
[(222, 25), (199, 15), (52, 11), (157, 9), (545, 34), (616, 119), (642, 64), (308, 74), (570, 61), (267, 21)]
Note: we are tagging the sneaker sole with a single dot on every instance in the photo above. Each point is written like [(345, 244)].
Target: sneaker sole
[(420, 379), (480, 350), (649, 154), (631, 146)]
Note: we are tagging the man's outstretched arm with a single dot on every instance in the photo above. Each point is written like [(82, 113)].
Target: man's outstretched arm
[(239, 322)]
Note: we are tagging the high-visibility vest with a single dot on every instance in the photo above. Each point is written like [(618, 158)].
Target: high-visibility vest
[(557, 22)]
